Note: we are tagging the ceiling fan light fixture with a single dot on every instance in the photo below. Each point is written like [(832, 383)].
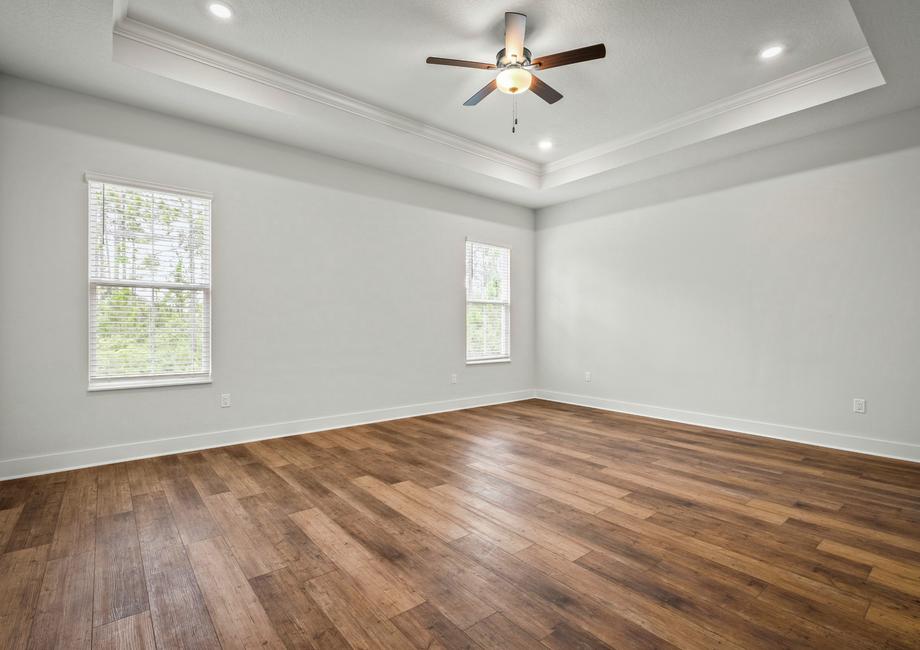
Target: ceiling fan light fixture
[(513, 80)]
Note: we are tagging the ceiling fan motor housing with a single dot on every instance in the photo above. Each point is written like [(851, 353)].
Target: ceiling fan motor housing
[(501, 60)]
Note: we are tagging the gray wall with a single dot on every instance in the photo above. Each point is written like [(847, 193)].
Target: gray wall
[(336, 288), (765, 307), (761, 293)]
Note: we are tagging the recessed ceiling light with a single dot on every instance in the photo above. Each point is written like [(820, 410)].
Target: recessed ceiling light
[(771, 51), (220, 10), (545, 144)]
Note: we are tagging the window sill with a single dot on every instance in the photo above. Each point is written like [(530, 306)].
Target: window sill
[(480, 362), (123, 384)]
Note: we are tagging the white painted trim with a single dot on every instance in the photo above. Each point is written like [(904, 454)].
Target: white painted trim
[(198, 64), (96, 385), (816, 437), (109, 179), (68, 460), (192, 50), (820, 72)]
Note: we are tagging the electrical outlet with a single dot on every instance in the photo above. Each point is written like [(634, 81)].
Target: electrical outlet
[(453, 378), (859, 405), (225, 400), (587, 375)]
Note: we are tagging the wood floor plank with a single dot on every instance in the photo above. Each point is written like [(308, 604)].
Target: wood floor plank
[(428, 566), (498, 632), (895, 581), (644, 612), (431, 520), (584, 611), (895, 567), (695, 492), (143, 476), (113, 490), (426, 627), (287, 495), (178, 612), (547, 488), (130, 633), (299, 621), (565, 636), (76, 527), (356, 618), (753, 566), (38, 518), (253, 555), (192, 517), (297, 551), (901, 541), (154, 519), (382, 588), (522, 525), (120, 587), (8, 520), (64, 616), (16, 491), (226, 467), (202, 474), (266, 453), (238, 616), (21, 574), (492, 531)]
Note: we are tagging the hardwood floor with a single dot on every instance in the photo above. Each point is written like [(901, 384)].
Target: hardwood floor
[(524, 525)]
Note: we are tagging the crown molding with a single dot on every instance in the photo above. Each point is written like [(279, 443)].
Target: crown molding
[(151, 36), (161, 52), (790, 83)]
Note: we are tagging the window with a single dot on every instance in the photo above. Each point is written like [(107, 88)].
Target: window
[(488, 303), (149, 285)]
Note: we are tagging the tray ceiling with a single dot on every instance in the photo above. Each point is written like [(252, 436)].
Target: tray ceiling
[(349, 78)]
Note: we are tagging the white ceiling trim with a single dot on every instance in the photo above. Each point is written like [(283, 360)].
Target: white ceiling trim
[(820, 72), (825, 82), (155, 50), (151, 36)]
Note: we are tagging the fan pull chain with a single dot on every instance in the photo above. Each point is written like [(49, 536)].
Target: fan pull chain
[(514, 118)]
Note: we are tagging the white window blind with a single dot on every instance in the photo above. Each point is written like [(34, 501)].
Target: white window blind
[(488, 303), (149, 286)]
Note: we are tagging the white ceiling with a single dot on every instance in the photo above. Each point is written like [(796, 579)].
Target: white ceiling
[(678, 73), (665, 57)]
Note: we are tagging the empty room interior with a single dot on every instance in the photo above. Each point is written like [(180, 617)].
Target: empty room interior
[(417, 324)]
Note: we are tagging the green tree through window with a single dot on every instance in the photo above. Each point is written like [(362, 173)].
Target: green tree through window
[(488, 302), (150, 288)]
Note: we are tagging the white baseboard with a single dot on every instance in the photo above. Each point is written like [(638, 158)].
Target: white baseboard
[(67, 460), (842, 441)]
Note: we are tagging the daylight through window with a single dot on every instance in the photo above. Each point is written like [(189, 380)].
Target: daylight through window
[(149, 286), (488, 302)]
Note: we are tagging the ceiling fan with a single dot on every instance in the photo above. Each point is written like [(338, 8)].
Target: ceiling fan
[(515, 64)]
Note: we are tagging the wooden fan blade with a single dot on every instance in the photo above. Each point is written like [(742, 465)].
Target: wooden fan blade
[(572, 56), (515, 25), (543, 90), (478, 97), (434, 60)]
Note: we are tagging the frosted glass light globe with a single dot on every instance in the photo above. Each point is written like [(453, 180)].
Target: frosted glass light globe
[(513, 80)]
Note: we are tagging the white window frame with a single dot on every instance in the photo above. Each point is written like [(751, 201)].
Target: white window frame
[(145, 381), (468, 302)]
